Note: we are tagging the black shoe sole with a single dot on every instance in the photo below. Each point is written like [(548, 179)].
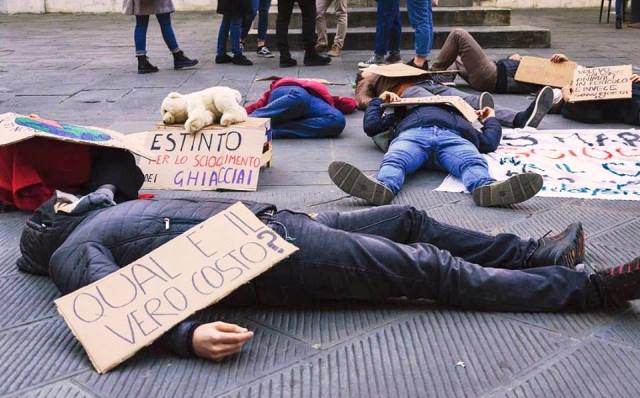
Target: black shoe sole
[(544, 102), (513, 190), (189, 65), (575, 255), (143, 72), (317, 63), (288, 64), (354, 182)]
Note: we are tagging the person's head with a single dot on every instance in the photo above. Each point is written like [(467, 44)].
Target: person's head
[(174, 109)]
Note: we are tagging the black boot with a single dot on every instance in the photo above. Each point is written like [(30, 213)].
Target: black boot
[(144, 66), (311, 58), (618, 23), (181, 61), (286, 61), (619, 284), (240, 59), (566, 248)]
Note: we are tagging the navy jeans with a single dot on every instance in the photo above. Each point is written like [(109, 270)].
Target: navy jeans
[(261, 8), (295, 113), (388, 27), (230, 26), (397, 251), (421, 20), (140, 33), (438, 148)]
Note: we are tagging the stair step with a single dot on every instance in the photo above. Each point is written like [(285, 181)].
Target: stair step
[(442, 16), (441, 3), (488, 36)]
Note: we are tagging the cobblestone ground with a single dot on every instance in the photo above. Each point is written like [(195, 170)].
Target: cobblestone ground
[(81, 68)]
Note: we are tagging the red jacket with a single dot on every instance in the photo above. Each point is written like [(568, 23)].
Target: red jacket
[(345, 105)]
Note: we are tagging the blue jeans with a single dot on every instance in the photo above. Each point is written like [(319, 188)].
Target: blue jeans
[(619, 5), (421, 20), (295, 113), (140, 33), (261, 8), (230, 26), (388, 27), (437, 147), (397, 251)]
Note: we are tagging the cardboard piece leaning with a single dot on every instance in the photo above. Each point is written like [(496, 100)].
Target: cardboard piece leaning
[(544, 72), (15, 128), (601, 83), (465, 109), (213, 158), (127, 310), (402, 70)]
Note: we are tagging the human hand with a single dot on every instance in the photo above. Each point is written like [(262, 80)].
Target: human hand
[(515, 57), (566, 93), (388, 97), (485, 113), (635, 78), (218, 340), (559, 58)]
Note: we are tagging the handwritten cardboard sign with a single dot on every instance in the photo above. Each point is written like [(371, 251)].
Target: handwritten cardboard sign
[(465, 109), (601, 83), (15, 128), (544, 72), (214, 158), (127, 310)]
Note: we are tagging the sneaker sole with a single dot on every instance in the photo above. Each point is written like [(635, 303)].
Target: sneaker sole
[(516, 189), (486, 100), (354, 182), (544, 102)]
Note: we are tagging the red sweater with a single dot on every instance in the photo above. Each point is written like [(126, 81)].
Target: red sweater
[(345, 105)]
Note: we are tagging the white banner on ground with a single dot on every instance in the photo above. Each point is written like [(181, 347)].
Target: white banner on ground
[(595, 164)]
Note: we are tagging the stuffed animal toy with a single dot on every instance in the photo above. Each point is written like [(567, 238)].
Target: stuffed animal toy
[(202, 108)]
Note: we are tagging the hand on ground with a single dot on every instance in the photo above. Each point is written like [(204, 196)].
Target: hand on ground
[(218, 340)]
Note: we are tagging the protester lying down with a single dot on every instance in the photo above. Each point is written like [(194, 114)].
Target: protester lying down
[(369, 255)]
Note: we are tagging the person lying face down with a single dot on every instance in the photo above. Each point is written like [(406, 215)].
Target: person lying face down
[(301, 108), (439, 137), (398, 251), (369, 85)]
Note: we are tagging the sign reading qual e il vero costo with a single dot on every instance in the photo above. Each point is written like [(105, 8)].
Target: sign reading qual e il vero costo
[(127, 310)]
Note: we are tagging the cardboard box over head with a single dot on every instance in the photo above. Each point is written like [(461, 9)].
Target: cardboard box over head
[(544, 72), (127, 310), (214, 158), (15, 128), (601, 83), (402, 70), (465, 109)]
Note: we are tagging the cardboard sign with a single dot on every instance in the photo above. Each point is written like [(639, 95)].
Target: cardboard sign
[(465, 109), (15, 128), (127, 310), (402, 70), (601, 83), (323, 81), (213, 158), (544, 72)]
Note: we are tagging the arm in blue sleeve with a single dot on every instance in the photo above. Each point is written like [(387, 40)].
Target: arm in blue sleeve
[(375, 122), (491, 135)]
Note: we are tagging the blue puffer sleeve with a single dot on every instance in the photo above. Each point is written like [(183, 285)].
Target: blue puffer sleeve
[(375, 122), (491, 135)]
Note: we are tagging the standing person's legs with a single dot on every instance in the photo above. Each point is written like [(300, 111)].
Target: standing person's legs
[(321, 24), (235, 29), (482, 72), (285, 8), (308, 10), (342, 23), (167, 32), (394, 33), (263, 21), (140, 34), (380, 41), (247, 20), (421, 20), (223, 35)]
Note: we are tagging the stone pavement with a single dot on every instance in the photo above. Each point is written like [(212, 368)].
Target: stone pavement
[(80, 68)]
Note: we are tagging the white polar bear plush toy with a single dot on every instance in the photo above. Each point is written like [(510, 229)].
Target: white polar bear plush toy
[(202, 108)]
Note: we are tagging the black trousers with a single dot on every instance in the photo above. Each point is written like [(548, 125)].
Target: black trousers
[(617, 111), (285, 8)]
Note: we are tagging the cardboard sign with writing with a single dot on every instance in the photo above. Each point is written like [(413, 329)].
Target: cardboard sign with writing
[(214, 158), (15, 128), (402, 70), (544, 72), (465, 109), (127, 310), (601, 83)]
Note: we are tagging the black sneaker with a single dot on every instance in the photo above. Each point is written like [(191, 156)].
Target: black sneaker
[(620, 284), (181, 61), (618, 23), (537, 110), (486, 100), (223, 59), (314, 59), (240, 59), (513, 190), (393, 58), (566, 248), (354, 182), (424, 66), (287, 62), (144, 66)]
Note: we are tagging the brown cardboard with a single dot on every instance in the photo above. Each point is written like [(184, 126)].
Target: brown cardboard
[(467, 111), (601, 83), (127, 310), (544, 72), (15, 128), (402, 70), (214, 158), (323, 81)]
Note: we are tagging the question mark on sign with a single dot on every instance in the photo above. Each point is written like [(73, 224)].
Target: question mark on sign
[(270, 243)]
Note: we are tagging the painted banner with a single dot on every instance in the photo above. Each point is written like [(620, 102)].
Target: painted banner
[(596, 164)]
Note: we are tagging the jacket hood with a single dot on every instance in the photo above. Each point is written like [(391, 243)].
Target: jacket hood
[(43, 233)]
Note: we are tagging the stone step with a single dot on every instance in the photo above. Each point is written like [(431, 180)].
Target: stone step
[(442, 16), (488, 36), (441, 3)]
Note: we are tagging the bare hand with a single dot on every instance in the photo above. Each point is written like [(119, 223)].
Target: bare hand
[(566, 93), (635, 78), (515, 57), (485, 113), (388, 97), (559, 58), (218, 340)]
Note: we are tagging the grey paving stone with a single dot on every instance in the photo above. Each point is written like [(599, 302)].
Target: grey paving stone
[(627, 330), (58, 390), (623, 236), (8, 257), (569, 324), (26, 298)]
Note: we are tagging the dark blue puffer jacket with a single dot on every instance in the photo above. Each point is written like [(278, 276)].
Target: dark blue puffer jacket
[(77, 250)]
